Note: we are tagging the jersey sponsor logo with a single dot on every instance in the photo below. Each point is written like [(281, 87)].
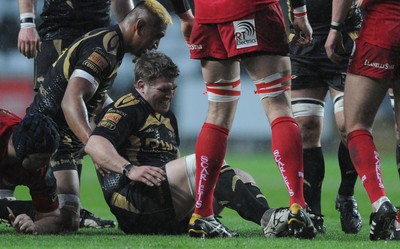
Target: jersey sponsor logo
[(385, 66), (107, 124), (98, 61), (113, 117), (127, 100), (195, 46), (245, 33)]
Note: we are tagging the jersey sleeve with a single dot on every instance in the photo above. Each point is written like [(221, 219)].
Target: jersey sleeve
[(98, 56)]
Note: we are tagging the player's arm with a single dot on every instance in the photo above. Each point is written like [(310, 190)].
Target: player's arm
[(81, 87), (45, 223), (334, 41), (103, 153), (120, 8), (183, 10), (28, 37), (303, 30)]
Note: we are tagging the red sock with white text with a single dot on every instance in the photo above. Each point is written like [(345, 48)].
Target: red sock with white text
[(287, 150), (210, 154), (365, 158)]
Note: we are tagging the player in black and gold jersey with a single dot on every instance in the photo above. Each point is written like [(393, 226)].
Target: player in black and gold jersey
[(61, 23), (78, 82), (313, 76), (148, 186)]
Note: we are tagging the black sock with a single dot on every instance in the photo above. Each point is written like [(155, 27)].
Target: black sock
[(398, 158), (246, 199), (18, 207), (314, 172), (347, 171)]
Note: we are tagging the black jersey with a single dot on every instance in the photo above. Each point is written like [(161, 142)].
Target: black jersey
[(141, 135), (66, 18), (99, 53), (319, 13)]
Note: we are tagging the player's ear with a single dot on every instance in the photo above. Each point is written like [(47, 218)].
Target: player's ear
[(140, 26), (140, 85)]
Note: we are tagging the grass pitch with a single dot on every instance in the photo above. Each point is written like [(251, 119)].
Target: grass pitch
[(269, 180)]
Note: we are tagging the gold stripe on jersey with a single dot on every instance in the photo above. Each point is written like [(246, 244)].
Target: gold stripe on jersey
[(126, 100), (57, 45), (157, 120), (120, 201), (110, 43), (72, 49)]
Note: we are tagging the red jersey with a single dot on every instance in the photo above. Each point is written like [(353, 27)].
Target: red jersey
[(8, 122), (219, 11), (381, 24), (44, 198)]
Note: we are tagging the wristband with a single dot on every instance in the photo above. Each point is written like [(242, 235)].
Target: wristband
[(27, 20), (300, 12), (335, 26), (126, 168)]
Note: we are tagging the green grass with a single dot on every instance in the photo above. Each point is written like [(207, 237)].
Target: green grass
[(269, 180)]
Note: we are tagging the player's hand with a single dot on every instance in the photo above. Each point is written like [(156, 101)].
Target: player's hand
[(24, 224), (149, 175), (28, 42), (304, 31), (102, 171), (334, 46)]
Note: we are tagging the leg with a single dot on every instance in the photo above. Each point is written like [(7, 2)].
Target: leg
[(363, 97), (271, 75), (235, 189), (223, 86), (345, 203), (396, 109), (308, 109)]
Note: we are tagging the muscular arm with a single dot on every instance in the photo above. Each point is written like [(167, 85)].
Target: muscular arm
[(78, 92), (182, 9), (334, 41), (120, 8), (303, 35), (45, 223), (28, 37), (102, 151)]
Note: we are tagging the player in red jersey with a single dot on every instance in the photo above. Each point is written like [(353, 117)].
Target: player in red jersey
[(373, 69), (26, 147), (252, 33)]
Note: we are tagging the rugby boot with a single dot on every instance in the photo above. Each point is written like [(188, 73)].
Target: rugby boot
[(274, 222), (318, 222), (209, 227), (88, 220), (381, 222), (350, 218), (300, 224)]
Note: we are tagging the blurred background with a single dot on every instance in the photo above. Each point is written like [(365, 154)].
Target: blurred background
[(250, 132)]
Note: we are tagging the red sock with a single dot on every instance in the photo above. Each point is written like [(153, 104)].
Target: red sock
[(287, 150), (365, 158), (210, 154)]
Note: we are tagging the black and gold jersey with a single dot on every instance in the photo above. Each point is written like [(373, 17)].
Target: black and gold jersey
[(72, 18), (139, 134), (99, 53)]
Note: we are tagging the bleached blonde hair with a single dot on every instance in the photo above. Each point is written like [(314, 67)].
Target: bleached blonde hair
[(158, 9)]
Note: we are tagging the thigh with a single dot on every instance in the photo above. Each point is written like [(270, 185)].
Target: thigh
[(143, 209), (362, 98), (180, 173)]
